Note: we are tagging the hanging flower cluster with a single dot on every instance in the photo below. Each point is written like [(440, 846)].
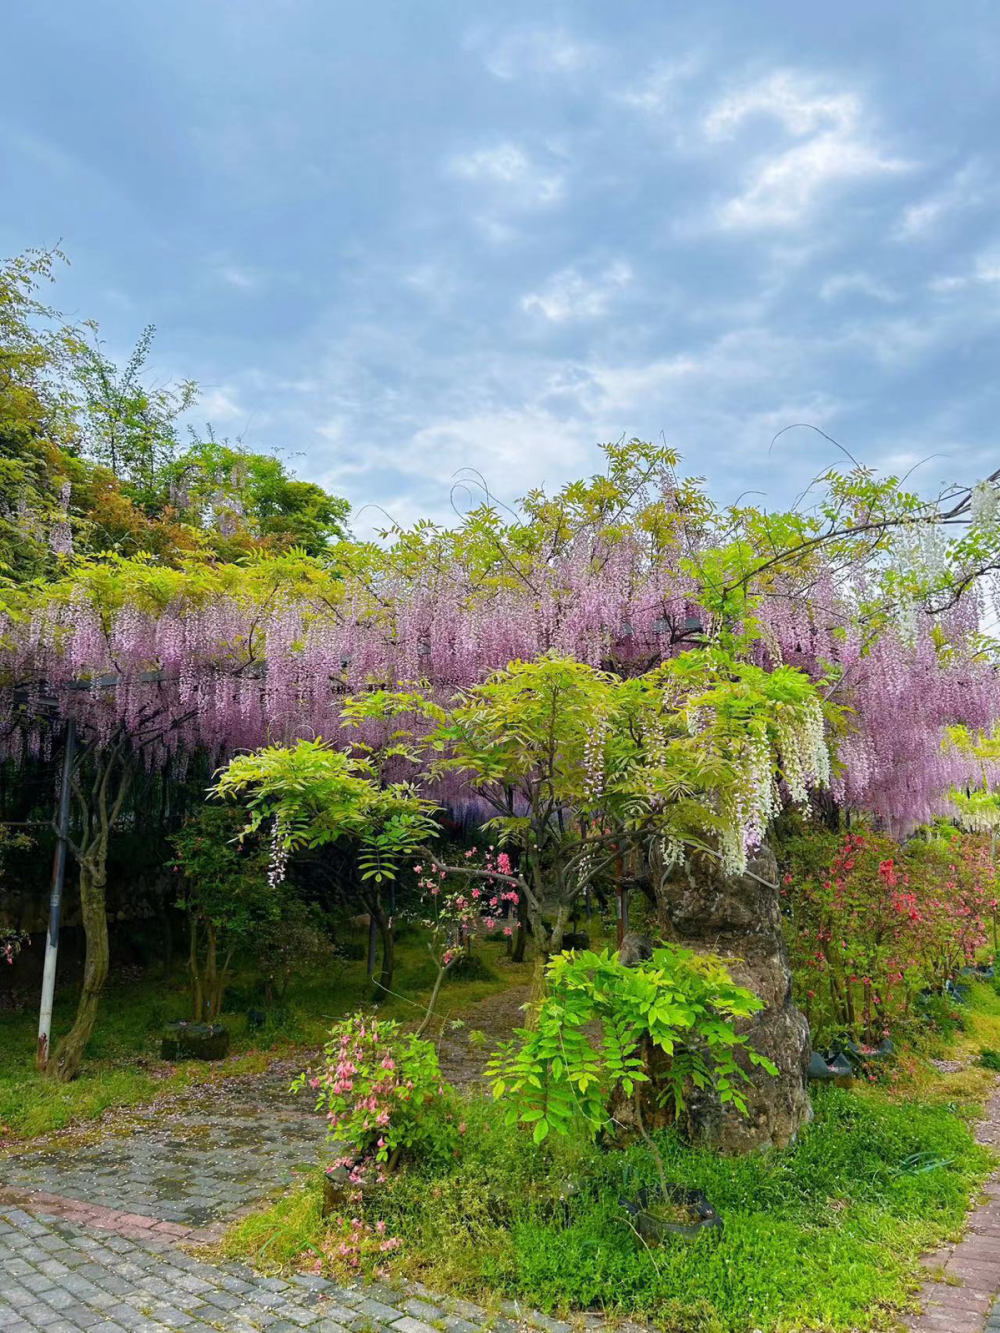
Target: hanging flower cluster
[(229, 658), (456, 907)]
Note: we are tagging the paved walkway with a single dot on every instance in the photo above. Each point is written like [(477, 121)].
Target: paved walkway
[(959, 1294), (92, 1234)]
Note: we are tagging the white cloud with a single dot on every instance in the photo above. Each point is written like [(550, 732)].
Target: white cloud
[(220, 404), (526, 51), (787, 98), (527, 442), (923, 220), (657, 92), (516, 179), (985, 271), (783, 187), (856, 284), (237, 277), (569, 295)]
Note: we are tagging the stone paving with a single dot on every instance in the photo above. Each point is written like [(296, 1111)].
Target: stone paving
[(195, 1167), (59, 1277), (92, 1233)]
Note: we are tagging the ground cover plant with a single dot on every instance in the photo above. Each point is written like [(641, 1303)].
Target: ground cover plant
[(825, 1234), (123, 1066)]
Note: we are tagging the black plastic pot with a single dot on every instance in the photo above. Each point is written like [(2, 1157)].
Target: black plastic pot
[(654, 1229), (837, 1069)]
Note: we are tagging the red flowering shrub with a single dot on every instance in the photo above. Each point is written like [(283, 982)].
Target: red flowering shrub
[(871, 925)]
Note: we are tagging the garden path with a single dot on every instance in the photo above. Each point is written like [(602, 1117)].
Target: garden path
[(95, 1228), (959, 1294)]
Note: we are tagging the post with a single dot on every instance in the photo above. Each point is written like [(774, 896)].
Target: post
[(55, 901)]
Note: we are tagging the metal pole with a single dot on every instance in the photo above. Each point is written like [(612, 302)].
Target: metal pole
[(55, 901)]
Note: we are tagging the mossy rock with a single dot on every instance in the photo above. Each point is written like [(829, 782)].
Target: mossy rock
[(194, 1041)]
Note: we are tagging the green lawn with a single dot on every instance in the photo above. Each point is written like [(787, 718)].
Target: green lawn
[(823, 1236), (122, 1066)]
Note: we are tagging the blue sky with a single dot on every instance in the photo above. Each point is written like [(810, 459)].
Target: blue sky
[(391, 241)]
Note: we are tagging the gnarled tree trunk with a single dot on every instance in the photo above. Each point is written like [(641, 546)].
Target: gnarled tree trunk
[(98, 811), (738, 918), (64, 1063)]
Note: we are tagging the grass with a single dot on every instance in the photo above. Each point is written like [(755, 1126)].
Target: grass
[(122, 1067), (825, 1235)]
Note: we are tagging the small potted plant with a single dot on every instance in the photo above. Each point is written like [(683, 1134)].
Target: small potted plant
[(673, 1211)]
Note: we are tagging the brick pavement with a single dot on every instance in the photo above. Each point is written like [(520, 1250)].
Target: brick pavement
[(92, 1233), (959, 1295)]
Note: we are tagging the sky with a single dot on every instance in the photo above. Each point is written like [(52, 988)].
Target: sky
[(395, 241)]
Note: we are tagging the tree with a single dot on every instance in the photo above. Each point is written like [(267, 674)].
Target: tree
[(867, 591), (314, 796), (229, 897), (670, 778), (248, 500), (153, 671), (38, 433)]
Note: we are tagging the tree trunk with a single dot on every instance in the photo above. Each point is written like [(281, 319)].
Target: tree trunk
[(194, 968), (387, 936), (65, 1061), (738, 918), (521, 934), (98, 815)]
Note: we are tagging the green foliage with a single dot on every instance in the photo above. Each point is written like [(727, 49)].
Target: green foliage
[(687, 753), (224, 878), (122, 1055), (252, 496), (989, 1059), (680, 1004), (318, 795), (128, 428), (825, 1234)]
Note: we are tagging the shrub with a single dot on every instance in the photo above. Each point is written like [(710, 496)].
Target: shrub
[(383, 1095), (989, 1059), (870, 925), (680, 1004)]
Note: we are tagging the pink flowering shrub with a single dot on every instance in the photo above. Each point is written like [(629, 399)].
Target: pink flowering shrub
[(457, 905), (383, 1095), (356, 1247), (871, 925)]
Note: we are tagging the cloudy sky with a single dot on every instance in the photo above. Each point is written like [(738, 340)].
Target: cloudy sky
[(395, 239)]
